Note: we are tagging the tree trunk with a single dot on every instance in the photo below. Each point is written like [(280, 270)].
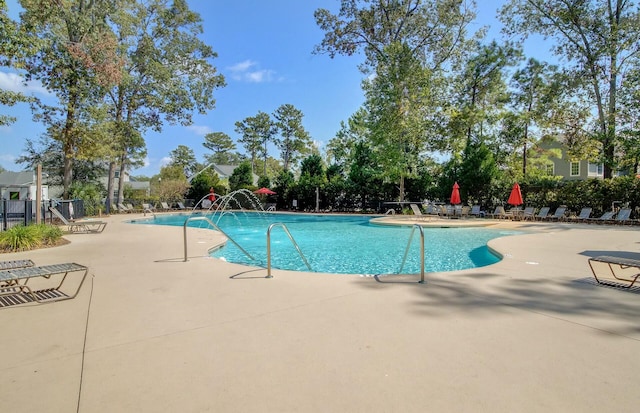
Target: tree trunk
[(110, 183), (123, 170)]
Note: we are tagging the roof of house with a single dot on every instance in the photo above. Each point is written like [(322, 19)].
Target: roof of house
[(225, 171), (25, 178), (138, 184)]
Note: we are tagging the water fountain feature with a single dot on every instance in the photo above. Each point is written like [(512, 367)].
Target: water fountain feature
[(231, 203)]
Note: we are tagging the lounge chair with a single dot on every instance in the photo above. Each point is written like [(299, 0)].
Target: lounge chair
[(14, 289), (558, 214), (542, 214), (7, 265), (446, 211), (148, 208), (476, 211), (122, 208), (623, 216), (498, 213), (432, 210), (417, 212), (165, 206), (181, 206), (528, 213), (81, 226), (622, 272), (585, 214), (132, 209), (606, 217)]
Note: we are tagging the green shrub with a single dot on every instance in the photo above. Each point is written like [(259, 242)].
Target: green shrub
[(49, 234), (20, 238)]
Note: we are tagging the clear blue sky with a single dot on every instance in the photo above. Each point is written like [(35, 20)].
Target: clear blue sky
[(264, 50)]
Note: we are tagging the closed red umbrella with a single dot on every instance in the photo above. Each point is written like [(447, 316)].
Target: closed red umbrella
[(515, 198), (455, 194), (264, 191)]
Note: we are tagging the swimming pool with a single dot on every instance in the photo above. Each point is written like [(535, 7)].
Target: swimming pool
[(345, 244)]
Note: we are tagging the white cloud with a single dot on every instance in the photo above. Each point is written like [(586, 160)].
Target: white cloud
[(6, 157), (242, 66), (15, 83), (165, 161), (199, 130), (249, 71)]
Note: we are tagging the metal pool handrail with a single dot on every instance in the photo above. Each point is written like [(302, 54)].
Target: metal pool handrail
[(295, 244), (406, 251), (216, 227)]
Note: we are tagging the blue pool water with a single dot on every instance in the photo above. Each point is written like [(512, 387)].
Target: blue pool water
[(345, 244)]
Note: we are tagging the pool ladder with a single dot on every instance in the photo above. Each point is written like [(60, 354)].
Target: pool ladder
[(406, 251), (284, 227), (217, 228), (295, 244)]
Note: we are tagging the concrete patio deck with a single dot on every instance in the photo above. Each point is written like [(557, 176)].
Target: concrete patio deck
[(151, 333)]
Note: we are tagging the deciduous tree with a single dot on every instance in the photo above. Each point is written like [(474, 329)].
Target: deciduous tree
[(598, 39)]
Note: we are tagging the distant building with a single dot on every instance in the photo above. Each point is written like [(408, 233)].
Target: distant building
[(225, 171), (20, 186), (128, 181), (572, 169)]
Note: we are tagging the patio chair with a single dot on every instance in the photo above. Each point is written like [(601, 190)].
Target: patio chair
[(131, 208), (558, 214), (417, 212), (81, 226), (542, 214), (498, 213), (7, 265), (528, 213), (621, 272), (476, 211), (181, 206), (623, 216), (606, 217), (148, 208), (165, 206), (14, 289), (431, 209), (122, 208), (446, 211), (585, 214)]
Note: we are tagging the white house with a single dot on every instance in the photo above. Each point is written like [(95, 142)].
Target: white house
[(20, 186)]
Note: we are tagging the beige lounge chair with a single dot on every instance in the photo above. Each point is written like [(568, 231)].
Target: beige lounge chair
[(84, 226), (417, 212), (122, 208), (498, 213)]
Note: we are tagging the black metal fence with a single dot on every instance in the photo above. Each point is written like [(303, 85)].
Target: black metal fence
[(23, 212)]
